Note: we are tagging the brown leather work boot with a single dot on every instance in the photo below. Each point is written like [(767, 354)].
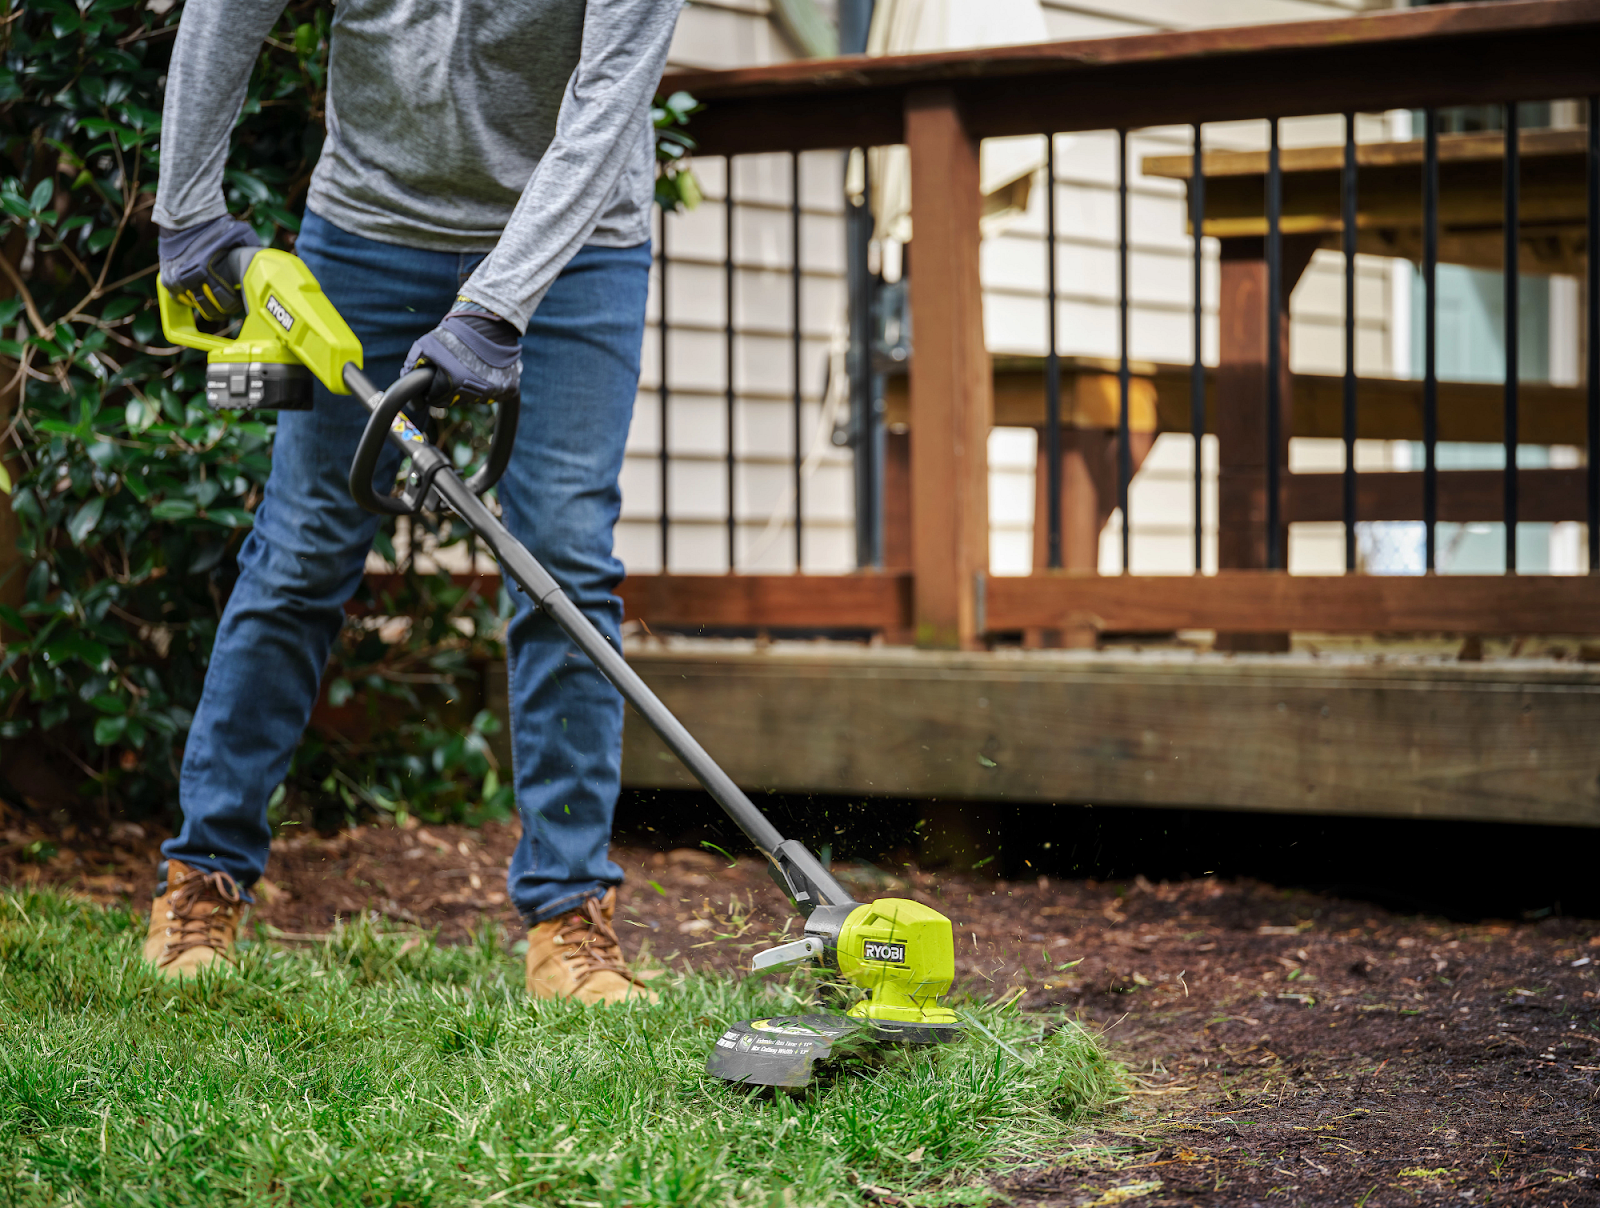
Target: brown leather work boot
[(192, 924), (578, 956)]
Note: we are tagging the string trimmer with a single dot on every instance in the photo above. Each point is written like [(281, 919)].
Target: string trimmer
[(899, 952)]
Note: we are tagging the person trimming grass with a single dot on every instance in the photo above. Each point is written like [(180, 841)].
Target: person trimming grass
[(491, 163)]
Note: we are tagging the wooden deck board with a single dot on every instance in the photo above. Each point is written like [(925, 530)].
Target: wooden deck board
[(1491, 742), (1553, 204)]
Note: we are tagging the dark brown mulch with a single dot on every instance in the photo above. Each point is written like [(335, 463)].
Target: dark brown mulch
[(1283, 1048)]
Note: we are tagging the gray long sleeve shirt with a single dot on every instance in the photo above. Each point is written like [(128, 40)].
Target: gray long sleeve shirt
[(514, 127)]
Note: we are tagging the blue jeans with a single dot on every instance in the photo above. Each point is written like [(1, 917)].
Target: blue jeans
[(304, 559)]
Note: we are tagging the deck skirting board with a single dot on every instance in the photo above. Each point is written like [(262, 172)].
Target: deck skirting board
[(1481, 742)]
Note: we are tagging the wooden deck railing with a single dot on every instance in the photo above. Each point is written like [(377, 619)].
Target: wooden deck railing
[(941, 105)]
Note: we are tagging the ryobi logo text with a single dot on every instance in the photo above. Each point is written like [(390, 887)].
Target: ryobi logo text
[(893, 954), (280, 312)]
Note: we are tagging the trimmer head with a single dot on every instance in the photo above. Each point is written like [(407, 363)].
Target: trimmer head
[(900, 952), (783, 1050), (776, 1052)]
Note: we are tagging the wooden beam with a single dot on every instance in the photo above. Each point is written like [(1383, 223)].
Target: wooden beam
[(1505, 743), (859, 601), (1387, 408), (952, 402), (1464, 495), (1090, 393), (1437, 55), (1245, 601), (1553, 206), (1391, 409), (1240, 601), (1480, 150)]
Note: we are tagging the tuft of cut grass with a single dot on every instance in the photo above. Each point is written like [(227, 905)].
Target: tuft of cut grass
[(380, 1069)]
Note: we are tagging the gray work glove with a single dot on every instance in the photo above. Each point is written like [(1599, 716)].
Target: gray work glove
[(476, 356), (194, 265)]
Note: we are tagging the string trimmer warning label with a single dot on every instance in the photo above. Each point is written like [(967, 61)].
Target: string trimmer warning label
[(893, 954)]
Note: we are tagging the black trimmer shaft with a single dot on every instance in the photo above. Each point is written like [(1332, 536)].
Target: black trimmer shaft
[(799, 873)]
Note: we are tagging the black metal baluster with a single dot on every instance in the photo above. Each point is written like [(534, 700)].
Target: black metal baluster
[(1592, 474), (1430, 336), (866, 419), (1348, 200), (794, 281), (1513, 353), (729, 335), (1274, 343), (662, 332), (1124, 446), (1197, 371), (1052, 363)]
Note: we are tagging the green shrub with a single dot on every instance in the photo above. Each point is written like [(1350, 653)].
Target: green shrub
[(134, 497)]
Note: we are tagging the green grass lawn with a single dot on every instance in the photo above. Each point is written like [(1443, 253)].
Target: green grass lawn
[(377, 1068)]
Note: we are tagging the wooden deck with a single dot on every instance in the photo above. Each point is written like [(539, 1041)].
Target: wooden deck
[(1509, 741)]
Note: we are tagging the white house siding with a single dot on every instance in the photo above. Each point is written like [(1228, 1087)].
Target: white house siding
[(727, 34), (731, 33), (763, 378)]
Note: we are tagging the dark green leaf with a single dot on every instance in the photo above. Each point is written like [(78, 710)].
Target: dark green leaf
[(85, 518), (118, 307), (146, 327), (70, 645), (173, 509), (108, 729), (38, 583)]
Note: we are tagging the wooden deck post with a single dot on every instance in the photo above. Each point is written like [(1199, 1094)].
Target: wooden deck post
[(1241, 411), (952, 391)]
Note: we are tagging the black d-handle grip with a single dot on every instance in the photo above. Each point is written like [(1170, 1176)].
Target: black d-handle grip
[(501, 442), (407, 390)]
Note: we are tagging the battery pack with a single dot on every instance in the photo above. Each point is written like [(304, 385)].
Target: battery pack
[(258, 386)]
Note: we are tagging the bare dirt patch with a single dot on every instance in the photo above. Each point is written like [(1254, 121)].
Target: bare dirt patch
[(1283, 1047)]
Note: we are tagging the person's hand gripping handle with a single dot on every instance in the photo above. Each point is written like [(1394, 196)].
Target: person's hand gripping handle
[(476, 357), (199, 269)]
